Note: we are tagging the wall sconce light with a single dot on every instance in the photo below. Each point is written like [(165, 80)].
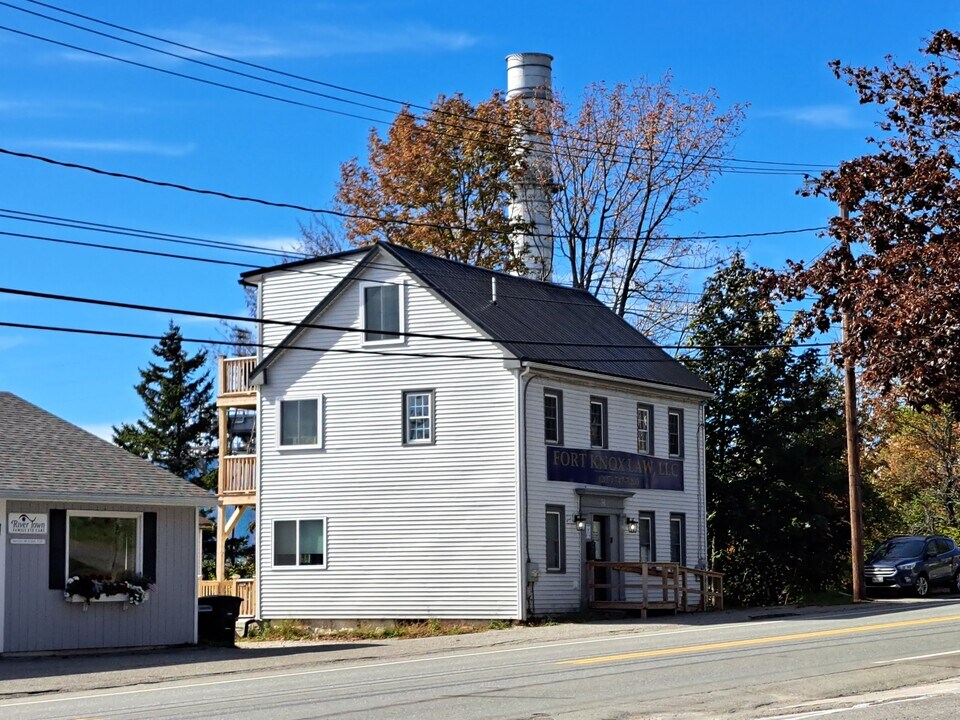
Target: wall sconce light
[(580, 521), (633, 525)]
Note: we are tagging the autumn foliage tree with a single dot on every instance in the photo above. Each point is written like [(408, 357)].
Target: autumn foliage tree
[(625, 162), (442, 182), (912, 460), (894, 266)]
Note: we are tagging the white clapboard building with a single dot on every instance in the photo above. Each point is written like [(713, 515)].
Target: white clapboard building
[(436, 440)]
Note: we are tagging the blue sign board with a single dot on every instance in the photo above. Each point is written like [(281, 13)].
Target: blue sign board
[(614, 469)]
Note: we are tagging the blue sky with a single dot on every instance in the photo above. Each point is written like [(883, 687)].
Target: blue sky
[(77, 108)]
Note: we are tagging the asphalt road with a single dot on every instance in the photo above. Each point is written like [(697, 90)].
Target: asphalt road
[(787, 667)]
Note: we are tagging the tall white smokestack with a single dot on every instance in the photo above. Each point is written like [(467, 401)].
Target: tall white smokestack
[(529, 77)]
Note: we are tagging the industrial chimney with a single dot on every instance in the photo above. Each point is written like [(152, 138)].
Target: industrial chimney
[(529, 77)]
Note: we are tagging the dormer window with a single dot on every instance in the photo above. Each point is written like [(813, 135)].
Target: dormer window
[(382, 312)]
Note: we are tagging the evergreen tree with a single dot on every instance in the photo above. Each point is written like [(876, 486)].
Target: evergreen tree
[(179, 427), (776, 483)]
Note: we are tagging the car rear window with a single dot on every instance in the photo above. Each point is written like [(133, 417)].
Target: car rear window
[(898, 548)]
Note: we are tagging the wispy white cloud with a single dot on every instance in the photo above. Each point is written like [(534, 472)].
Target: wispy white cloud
[(58, 107), (280, 243), (8, 342), (309, 41), (828, 117), (119, 147)]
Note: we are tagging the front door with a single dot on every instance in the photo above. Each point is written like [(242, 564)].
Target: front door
[(602, 539)]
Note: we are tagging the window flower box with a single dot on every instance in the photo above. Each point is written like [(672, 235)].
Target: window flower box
[(131, 589)]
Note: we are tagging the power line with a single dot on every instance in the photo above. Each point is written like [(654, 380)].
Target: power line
[(325, 84), (338, 213), (266, 346), (190, 240), (347, 329)]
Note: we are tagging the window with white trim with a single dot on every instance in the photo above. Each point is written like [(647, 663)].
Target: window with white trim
[(300, 422), (103, 545), (555, 538), (598, 422), (382, 312), (644, 429), (645, 528), (675, 432), (552, 417), (300, 543), (678, 538), (418, 417)]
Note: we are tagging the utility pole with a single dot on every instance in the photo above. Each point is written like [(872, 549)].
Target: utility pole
[(853, 438)]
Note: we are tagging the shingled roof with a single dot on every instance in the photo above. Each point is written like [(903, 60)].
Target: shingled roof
[(535, 321), (43, 456)]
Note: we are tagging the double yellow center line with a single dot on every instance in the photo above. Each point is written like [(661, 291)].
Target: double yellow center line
[(666, 652)]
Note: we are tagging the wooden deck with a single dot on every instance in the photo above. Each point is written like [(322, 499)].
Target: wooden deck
[(661, 586), (235, 389), (243, 588)]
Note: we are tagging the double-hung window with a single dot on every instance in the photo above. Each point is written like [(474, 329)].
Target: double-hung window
[(382, 313), (598, 422), (418, 417), (104, 544), (552, 417), (644, 429), (299, 543), (645, 529), (300, 422), (675, 432), (678, 538), (556, 541)]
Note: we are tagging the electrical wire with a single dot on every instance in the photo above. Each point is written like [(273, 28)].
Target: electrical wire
[(327, 211), (346, 329), (341, 88)]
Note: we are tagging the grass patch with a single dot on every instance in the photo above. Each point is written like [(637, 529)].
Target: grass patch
[(299, 630)]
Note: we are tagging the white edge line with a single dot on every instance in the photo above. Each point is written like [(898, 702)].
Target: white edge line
[(917, 657)]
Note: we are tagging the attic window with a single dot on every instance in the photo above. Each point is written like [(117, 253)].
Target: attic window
[(382, 313)]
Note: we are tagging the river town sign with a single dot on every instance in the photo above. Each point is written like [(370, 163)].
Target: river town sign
[(614, 469)]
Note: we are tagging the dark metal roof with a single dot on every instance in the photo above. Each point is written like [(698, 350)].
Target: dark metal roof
[(44, 456), (529, 311), (535, 321)]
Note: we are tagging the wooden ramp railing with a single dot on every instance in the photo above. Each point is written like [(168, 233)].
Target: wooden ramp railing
[(661, 586), (243, 588)]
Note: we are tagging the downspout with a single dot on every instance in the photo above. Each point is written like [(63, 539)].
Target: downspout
[(702, 487), (527, 597)]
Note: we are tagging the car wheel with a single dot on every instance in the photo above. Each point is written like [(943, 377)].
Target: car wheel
[(922, 586), (955, 584)]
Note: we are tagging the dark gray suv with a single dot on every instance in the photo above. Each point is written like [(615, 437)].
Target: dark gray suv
[(914, 562)]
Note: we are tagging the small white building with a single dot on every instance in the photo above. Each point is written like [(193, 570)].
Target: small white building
[(431, 432)]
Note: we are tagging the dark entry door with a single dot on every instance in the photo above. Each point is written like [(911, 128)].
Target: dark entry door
[(601, 552)]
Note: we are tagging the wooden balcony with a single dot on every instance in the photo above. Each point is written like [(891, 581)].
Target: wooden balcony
[(238, 478), (235, 389)]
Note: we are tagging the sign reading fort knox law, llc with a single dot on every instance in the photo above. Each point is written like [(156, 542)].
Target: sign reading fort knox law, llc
[(611, 468)]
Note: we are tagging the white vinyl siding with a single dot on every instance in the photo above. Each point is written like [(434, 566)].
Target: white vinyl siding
[(413, 530), (555, 592)]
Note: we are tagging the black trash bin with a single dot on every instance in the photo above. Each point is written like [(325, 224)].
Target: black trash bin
[(217, 619)]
